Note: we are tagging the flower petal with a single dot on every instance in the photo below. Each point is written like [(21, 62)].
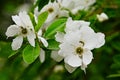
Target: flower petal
[(102, 17), (65, 49), (40, 33), (75, 25), (101, 39), (55, 56), (63, 13), (87, 57), (42, 55), (89, 37), (45, 43), (73, 60), (12, 30), (59, 36), (83, 67), (94, 40), (25, 19), (17, 42), (31, 38), (18, 20), (69, 68)]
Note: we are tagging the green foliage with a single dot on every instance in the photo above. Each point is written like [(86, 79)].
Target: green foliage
[(5, 49), (53, 44), (41, 19), (30, 53), (57, 25)]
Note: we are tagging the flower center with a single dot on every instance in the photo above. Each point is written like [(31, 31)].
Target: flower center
[(79, 50), (50, 10), (81, 42), (24, 30)]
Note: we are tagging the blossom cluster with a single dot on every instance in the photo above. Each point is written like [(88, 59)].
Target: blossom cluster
[(75, 41)]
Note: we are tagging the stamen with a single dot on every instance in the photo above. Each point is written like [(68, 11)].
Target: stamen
[(82, 43), (50, 10), (79, 50), (24, 30)]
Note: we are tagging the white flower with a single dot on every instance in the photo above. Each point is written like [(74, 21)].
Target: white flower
[(77, 43), (54, 11), (75, 5), (22, 28), (102, 17), (45, 43)]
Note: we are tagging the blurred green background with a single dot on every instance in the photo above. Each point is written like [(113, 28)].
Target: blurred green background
[(106, 62)]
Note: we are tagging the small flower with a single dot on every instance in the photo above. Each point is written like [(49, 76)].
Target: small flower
[(102, 17), (22, 28), (77, 43), (75, 5), (45, 43), (54, 11)]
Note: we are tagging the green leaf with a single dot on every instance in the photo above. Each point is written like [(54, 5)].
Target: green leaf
[(57, 25), (53, 45), (113, 75), (116, 59), (32, 18), (5, 49), (13, 53), (41, 19), (30, 53), (116, 45)]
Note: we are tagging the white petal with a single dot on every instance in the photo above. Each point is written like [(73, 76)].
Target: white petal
[(89, 37), (18, 20), (83, 67), (102, 17), (69, 68), (101, 39), (68, 4), (73, 38), (75, 25), (63, 13), (94, 40), (25, 19), (55, 56), (73, 60), (45, 43), (66, 49), (36, 12), (12, 31), (87, 57), (40, 33), (17, 42), (42, 55), (31, 38), (59, 36), (86, 29), (36, 20)]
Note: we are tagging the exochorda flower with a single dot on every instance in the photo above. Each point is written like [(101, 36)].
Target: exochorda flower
[(54, 11), (102, 17), (75, 5), (23, 27), (76, 44)]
